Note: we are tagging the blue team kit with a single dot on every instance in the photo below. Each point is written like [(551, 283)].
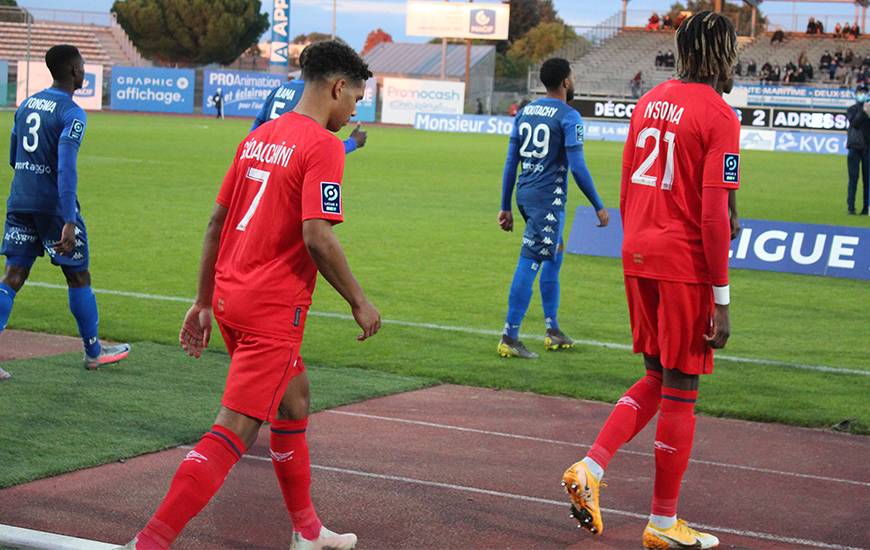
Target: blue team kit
[(48, 130)]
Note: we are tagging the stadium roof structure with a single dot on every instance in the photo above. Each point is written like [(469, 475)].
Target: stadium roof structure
[(423, 59)]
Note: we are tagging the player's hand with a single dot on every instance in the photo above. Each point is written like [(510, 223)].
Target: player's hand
[(506, 220), (359, 136), (721, 329), (196, 330), (368, 318), (735, 226), (603, 217), (67, 242)]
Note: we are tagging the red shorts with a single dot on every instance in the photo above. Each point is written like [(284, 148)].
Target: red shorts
[(261, 367), (669, 321)]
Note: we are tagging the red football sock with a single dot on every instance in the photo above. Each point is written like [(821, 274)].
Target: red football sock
[(201, 474), (673, 447), (289, 449), (632, 412)]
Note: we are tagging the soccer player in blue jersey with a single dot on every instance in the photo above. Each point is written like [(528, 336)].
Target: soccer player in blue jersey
[(284, 99), (42, 213), (547, 142)]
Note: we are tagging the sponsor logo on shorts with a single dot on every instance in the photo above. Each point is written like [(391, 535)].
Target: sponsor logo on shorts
[(731, 168), (557, 202), (330, 197)]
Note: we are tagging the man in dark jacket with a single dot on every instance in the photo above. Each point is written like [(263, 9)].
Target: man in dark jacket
[(857, 142)]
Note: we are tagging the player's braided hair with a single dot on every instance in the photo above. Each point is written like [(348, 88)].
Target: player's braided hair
[(332, 57), (707, 47)]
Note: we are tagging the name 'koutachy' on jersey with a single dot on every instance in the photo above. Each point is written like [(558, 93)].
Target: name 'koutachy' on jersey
[(544, 129), (285, 172), (683, 138)]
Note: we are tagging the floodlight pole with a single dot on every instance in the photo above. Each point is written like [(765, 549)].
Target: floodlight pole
[(468, 62), (334, 9)]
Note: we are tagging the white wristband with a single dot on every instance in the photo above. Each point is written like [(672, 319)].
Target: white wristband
[(722, 295)]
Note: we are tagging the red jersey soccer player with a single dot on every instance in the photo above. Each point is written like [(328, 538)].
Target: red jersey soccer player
[(270, 233), (679, 163)]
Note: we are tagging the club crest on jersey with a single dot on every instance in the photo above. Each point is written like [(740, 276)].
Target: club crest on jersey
[(330, 197), (580, 132), (77, 130), (731, 168)]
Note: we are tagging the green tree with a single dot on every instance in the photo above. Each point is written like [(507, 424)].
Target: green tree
[(526, 15), (312, 37), (194, 32), (541, 41), (12, 3)]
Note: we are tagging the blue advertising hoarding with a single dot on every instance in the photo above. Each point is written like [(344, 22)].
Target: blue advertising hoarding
[(811, 142), (595, 130), (785, 247), (4, 82), (152, 90), (365, 109), (244, 93)]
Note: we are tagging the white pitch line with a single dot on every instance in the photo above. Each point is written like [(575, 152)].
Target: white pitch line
[(586, 446), (563, 504), (482, 332), (18, 537)]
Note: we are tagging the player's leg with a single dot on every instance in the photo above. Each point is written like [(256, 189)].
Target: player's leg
[(21, 246), (631, 413), (13, 280), (555, 339), (520, 295), (199, 477), (684, 319), (865, 180), (288, 447)]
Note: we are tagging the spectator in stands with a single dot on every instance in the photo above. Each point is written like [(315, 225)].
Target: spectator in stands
[(838, 30), (751, 68), (653, 23), (849, 57), (682, 17), (808, 71), (802, 59), (776, 74), (766, 69), (825, 60), (832, 68), (670, 59), (838, 57), (667, 22), (778, 36), (847, 30), (513, 109), (790, 67), (820, 29), (811, 26), (636, 85), (856, 31), (738, 69), (479, 110), (858, 144), (660, 59)]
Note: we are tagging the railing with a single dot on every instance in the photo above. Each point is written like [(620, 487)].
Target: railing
[(45, 15), (126, 44)]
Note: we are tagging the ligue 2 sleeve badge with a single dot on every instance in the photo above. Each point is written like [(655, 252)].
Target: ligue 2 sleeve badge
[(330, 197), (731, 168)]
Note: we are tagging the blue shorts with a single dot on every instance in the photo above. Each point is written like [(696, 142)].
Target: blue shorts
[(29, 236), (543, 235)]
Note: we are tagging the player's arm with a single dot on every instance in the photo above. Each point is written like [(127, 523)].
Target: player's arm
[(509, 179), (321, 209), (196, 328), (734, 218), (326, 251), (572, 128), (74, 122), (719, 180)]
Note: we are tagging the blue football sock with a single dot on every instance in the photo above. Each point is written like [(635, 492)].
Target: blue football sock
[(520, 295), (83, 305), (7, 297), (549, 284)]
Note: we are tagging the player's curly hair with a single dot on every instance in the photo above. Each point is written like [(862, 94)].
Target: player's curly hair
[(321, 60), (553, 72), (707, 46)]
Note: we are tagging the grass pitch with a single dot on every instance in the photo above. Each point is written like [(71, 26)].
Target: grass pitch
[(422, 239)]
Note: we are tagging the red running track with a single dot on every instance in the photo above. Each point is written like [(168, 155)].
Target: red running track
[(452, 467)]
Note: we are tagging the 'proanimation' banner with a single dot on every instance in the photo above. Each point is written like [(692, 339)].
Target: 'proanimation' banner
[(243, 93)]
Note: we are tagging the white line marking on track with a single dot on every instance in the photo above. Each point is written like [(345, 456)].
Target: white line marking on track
[(18, 537), (572, 444), (481, 332), (564, 504)]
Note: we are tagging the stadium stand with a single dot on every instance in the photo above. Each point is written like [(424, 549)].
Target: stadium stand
[(788, 51), (98, 44)]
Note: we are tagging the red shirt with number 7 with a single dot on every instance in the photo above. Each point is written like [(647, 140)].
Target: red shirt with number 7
[(683, 137), (285, 172)]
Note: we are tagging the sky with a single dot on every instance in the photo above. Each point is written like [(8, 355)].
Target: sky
[(355, 18)]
